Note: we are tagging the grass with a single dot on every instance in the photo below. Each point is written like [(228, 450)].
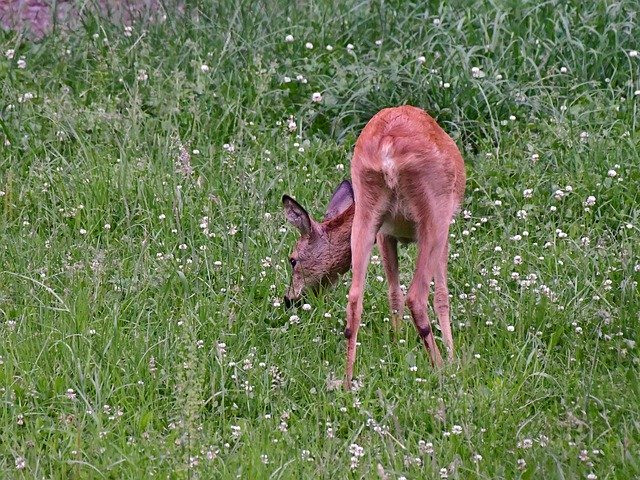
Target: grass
[(140, 331)]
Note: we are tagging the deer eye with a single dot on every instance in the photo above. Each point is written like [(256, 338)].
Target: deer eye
[(293, 262)]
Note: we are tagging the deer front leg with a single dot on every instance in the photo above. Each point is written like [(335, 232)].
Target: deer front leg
[(441, 302), (389, 250), (362, 239)]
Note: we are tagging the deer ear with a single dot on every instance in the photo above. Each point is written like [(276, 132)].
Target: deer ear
[(296, 215), (341, 200)]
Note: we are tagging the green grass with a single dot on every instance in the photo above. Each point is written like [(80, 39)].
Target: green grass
[(132, 317)]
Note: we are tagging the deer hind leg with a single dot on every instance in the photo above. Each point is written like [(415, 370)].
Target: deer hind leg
[(389, 250), (366, 221), (431, 243), (441, 300)]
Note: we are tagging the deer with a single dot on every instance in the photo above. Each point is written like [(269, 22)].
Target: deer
[(407, 183)]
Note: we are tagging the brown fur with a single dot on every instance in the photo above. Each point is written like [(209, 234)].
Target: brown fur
[(408, 181)]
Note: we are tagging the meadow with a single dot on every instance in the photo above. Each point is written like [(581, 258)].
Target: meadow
[(143, 247)]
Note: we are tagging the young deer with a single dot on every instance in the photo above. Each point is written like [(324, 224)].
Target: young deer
[(408, 181)]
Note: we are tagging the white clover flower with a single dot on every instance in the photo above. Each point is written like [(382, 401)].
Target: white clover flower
[(510, 328), (204, 68), (350, 47), (498, 77), (476, 72), (21, 463), (142, 75), (590, 201), (535, 157), (584, 136), (10, 54), (633, 53), (288, 38), (329, 48), (527, 193), (316, 97), (564, 69), (521, 214), (378, 42), (308, 46), (558, 194), (22, 63), (436, 21), (292, 126), (612, 173), (128, 30), (421, 59), (517, 260)]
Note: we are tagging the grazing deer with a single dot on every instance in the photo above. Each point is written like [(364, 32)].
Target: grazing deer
[(408, 181)]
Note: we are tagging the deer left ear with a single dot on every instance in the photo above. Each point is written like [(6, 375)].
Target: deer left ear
[(341, 200), (297, 215)]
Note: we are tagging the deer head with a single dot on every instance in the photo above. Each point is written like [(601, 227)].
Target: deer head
[(323, 251)]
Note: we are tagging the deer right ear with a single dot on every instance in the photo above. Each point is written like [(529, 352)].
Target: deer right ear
[(296, 215)]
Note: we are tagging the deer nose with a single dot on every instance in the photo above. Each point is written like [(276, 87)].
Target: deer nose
[(288, 303)]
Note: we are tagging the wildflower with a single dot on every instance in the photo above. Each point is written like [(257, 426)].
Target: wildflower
[(128, 30), (236, 431), (612, 173), (558, 194), (590, 201), (477, 73), (527, 193), (350, 47), (421, 60), (476, 457), (142, 75), (306, 307), (71, 394), (564, 69), (444, 473), (517, 260), (21, 463), (10, 54), (522, 465), (521, 214), (264, 458), (329, 48), (511, 328), (292, 126), (633, 53), (309, 45), (425, 447), (592, 476), (204, 68), (436, 21), (22, 63), (316, 97), (288, 38), (378, 43), (584, 136), (456, 429)]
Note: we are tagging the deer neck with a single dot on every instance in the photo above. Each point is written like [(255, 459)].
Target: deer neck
[(339, 232)]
